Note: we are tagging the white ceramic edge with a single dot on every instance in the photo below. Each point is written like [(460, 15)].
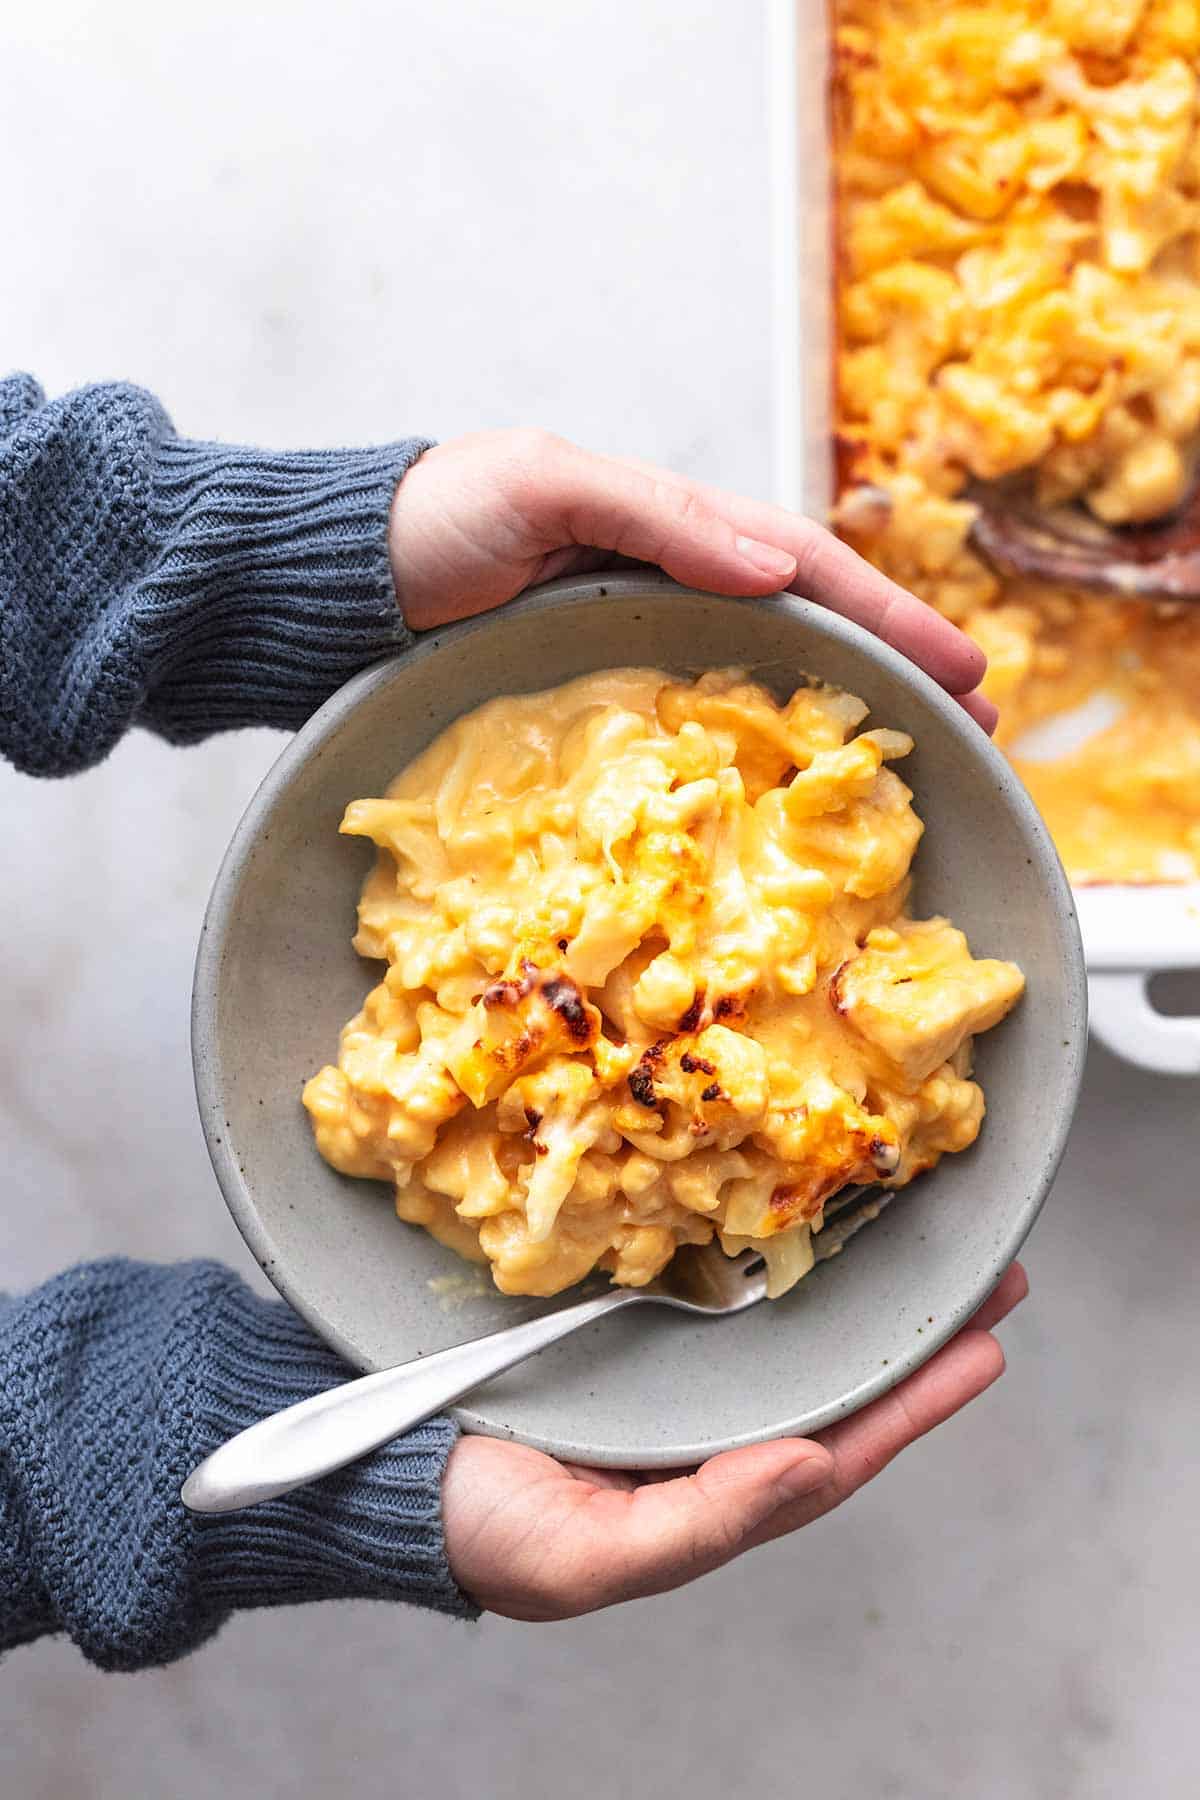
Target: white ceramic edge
[(323, 726), (1126, 929)]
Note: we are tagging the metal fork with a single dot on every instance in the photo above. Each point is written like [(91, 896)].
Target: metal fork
[(324, 1433)]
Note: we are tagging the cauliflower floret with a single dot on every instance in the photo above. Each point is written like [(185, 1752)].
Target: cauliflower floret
[(640, 1252), (916, 991), (821, 1141), (523, 1264), (515, 1024), (347, 1129), (867, 845), (836, 777), (465, 1166), (788, 1255), (691, 1092), (664, 991), (560, 1108)]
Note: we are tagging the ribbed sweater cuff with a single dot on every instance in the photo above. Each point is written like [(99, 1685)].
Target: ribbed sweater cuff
[(373, 1531), (273, 586)]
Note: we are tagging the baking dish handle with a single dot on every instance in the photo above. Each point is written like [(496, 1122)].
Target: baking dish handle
[(1126, 1022)]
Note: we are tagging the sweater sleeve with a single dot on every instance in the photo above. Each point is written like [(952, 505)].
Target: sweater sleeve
[(116, 1378), (186, 587)]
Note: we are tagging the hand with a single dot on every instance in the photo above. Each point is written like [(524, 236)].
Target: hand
[(480, 519), (534, 1539)]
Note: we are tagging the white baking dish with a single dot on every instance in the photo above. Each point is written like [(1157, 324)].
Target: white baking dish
[(1129, 933)]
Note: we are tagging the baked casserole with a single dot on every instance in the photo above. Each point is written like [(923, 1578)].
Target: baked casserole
[(1018, 237)]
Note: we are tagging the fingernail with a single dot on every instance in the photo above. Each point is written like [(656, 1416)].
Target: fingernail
[(803, 1477), (766, 558)]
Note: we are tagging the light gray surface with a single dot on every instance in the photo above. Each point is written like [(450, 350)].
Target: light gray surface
[(1009, 1614), (275, 983)]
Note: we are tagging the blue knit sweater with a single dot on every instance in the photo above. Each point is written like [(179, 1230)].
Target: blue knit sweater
[(189, 588)]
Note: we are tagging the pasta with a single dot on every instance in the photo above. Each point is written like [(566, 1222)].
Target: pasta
[(1018, 189), (650, 979)]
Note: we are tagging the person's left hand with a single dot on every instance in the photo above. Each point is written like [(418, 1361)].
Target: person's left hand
[(534, 1539), (478, 520)]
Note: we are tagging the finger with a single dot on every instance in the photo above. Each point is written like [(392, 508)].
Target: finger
[(572, 561), (831, 572), (622, 1480), (669, 1532), (985, 712), (604, 504), (1008, 1293), (863, 1445)]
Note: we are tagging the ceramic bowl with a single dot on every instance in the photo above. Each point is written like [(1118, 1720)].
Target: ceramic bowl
[(276, 978)]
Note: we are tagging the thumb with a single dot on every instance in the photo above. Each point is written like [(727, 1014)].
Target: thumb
[(607, 505), (677, 1530)]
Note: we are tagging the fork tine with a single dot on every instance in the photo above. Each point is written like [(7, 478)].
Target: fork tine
[(837, 1234), (704, 1279), (745, 1261)]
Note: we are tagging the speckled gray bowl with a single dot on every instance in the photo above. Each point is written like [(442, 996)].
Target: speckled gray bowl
[(276, 978)]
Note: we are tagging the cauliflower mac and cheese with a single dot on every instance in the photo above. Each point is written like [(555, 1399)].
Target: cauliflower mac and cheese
[(1018, 194), (650, 979)]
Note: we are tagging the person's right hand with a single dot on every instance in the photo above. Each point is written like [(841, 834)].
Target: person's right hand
[(534, 1539), (479, 519)]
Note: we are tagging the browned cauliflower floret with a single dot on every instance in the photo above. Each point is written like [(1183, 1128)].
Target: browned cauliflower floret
[(689, 1092), (916, 992)]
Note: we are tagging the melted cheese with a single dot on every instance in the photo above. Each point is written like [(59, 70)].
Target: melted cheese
[(650, 978), (1019, 246)]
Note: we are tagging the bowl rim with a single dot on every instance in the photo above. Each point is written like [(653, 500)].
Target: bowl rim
[(317, 733)]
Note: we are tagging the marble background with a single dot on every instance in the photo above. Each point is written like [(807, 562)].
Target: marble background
[(304, 224)]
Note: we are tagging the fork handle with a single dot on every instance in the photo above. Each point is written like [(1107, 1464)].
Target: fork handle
[(329, 1430)]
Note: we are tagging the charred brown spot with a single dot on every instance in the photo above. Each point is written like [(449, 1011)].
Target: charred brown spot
[(654, 1054), (500, 993), (641, 1085), (566, 1000), (885, 1157), (729, 1006), (562, 943), (691, 1017), (511, 992), (712, 1091), (806, 1200), (539, 1149), (512, 1054), (689, 1064), (533, 1119)]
